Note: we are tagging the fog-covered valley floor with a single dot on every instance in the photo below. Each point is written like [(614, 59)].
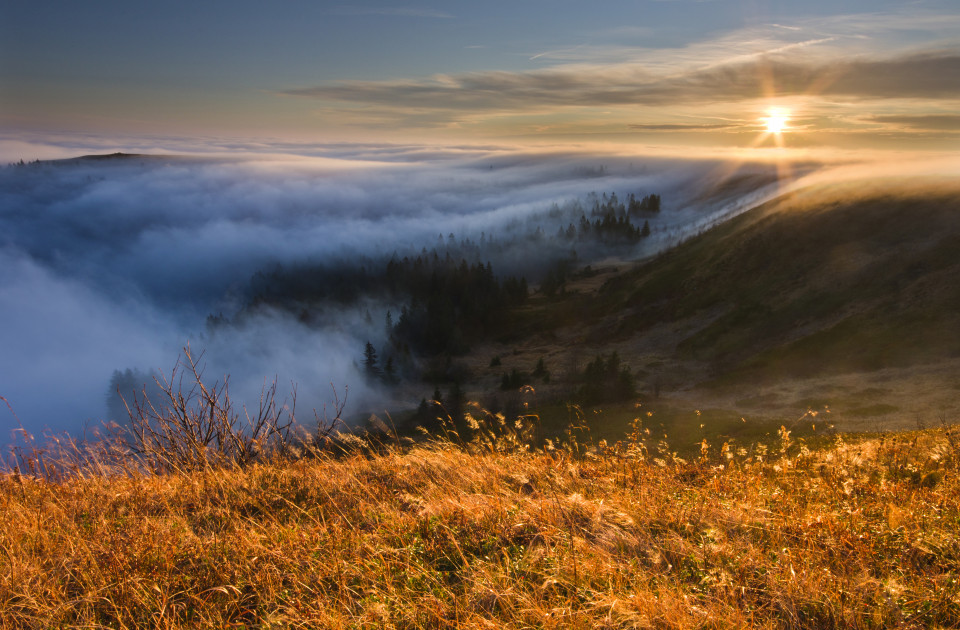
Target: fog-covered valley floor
[(110, 266)]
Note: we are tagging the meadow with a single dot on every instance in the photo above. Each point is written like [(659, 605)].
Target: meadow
[(479, 529)]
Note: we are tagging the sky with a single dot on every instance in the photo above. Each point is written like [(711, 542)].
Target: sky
[(847, 74), (317, 131)]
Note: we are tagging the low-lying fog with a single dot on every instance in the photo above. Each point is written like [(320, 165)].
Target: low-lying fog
[(115, 264)]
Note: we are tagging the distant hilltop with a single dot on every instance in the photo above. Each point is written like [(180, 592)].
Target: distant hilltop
[(111, 156), (118, 158), (84, 158)]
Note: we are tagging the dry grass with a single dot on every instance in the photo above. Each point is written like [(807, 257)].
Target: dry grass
[(477, 535)]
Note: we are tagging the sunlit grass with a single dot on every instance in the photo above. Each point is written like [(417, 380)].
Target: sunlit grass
[(479, 530)]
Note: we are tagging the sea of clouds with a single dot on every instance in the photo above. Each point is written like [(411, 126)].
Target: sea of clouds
[(115, 264)]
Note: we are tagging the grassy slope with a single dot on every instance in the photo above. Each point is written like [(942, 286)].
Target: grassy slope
[(840, 295), (856, 535), (826, 280)]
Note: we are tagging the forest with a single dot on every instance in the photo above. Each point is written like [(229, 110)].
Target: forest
[(437, 303)]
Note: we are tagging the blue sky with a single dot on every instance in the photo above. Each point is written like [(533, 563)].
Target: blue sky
[(683, 72)]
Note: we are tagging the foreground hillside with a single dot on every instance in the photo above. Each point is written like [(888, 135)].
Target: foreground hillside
[(861, 534)]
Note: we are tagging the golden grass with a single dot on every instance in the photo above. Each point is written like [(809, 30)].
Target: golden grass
[(863, 535)]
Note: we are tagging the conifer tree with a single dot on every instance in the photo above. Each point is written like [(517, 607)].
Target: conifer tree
[(370, 361)]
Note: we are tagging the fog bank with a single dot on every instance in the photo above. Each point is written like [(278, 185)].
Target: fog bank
[(115, 264)]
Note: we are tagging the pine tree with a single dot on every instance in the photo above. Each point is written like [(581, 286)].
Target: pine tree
[(370, 361)]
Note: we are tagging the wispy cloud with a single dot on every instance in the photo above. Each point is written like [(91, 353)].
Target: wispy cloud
[(932, 75), (680, 127), (551, 53), (873, 60), (931, 122)]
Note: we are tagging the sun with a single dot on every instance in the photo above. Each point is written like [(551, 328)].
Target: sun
[(776, 120)]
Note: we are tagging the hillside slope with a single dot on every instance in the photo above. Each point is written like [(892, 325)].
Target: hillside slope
[(825, 280), (844, 294)]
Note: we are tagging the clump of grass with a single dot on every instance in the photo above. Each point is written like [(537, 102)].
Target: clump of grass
[(474, 528)]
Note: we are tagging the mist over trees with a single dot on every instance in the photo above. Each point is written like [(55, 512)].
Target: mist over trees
[(126, 388), (272, 263), (439, 301)]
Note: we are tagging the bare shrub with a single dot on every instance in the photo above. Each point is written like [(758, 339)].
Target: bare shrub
[(197, 426)]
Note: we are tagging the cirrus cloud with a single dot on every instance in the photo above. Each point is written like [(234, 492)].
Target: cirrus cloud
[(929, 75), (930, 122), (820, 66)]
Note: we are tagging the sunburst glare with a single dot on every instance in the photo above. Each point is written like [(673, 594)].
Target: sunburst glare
[(776, 120)]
